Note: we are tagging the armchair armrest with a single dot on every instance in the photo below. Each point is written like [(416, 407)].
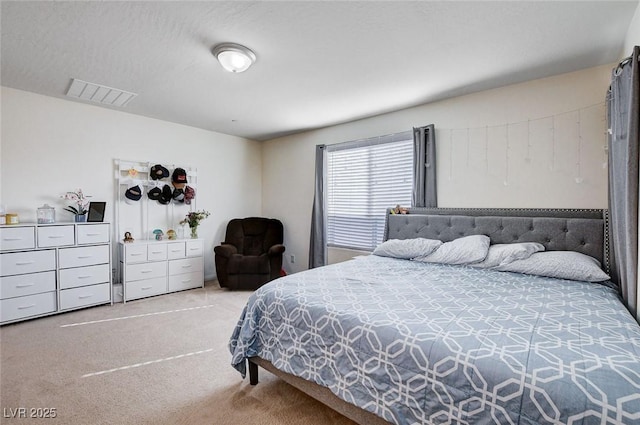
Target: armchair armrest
[(276, 250), (225, 250)]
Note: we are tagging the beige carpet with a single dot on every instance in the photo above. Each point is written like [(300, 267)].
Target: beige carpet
[(162, 360)]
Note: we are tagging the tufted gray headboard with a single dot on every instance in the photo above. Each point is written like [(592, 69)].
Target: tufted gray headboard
[(581, 230)]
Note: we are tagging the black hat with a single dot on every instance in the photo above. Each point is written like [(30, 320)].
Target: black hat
[(165, 198), (154, 194), (134, 193), (179, 176), (158, 172), (178, 195)]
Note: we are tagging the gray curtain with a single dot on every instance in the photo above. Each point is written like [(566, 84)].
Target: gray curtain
[(623, 107), (318, 243), (424, 167)]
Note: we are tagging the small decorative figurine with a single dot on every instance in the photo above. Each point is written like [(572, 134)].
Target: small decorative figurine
[(128, 237), (159, 234), (399, 210), (171, 234)]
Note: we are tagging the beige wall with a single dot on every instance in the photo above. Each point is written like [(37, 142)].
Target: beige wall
[(534, 152), (50, 146), (633, 34)]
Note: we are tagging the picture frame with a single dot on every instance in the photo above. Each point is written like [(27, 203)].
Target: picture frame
[(96, 212)]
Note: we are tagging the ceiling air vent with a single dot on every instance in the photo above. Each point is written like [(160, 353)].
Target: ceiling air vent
[(100, 94)]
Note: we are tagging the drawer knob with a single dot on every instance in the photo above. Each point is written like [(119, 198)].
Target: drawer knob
[(146, 288), (146, 271), (55, 236), (186, 266), (24, 307), (85, 276), (93, 234), (12, 239), (84, 297), (24, 263), (136, 254), (84, 257), (24, 285)]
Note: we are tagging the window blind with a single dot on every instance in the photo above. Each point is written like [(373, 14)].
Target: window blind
[(364, 178)]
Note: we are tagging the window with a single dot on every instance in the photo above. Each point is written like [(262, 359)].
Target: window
[(364, 178)]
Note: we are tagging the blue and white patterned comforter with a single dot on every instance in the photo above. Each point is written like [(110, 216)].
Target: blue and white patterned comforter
[(419, 343)]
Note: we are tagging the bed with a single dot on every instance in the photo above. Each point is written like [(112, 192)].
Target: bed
[(403, 339)]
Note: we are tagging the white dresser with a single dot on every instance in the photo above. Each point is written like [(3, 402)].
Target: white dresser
[(151, 267), (53, 268)]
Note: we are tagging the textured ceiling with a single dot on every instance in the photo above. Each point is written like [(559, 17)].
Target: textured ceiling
[(319, 62)]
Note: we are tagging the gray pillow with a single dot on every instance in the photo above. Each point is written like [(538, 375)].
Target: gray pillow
[(561, 264), (502, 254), (466, 250), (407, 248)]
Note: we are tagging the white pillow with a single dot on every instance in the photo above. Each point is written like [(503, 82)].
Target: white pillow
[(501, 254), (407, 248), (466, 250), (561, 264)]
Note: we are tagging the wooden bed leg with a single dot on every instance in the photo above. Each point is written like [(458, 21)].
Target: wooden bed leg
[(253, 372)]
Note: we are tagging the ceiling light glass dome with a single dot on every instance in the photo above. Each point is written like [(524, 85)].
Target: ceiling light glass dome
[(234, 57)]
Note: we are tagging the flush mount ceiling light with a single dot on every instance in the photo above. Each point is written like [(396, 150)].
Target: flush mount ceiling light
[(234, 57)]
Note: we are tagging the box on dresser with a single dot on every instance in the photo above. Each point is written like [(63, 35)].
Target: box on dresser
[(53, 268)]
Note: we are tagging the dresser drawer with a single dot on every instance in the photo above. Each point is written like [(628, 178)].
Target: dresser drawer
[(82, 276), (175, 250), (187, 265), (194, 249), (83, 256), (31, 305), (17, 238), (27, 284), (157, 252), (146, 288), (180, 282), (92, 233), (51, 236), (27, 262), (135, 253), (145, 271), (86, 295)]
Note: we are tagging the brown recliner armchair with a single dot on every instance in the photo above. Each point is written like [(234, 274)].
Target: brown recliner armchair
[(251, 254)]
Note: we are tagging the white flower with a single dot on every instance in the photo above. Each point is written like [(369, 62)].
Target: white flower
[(81, 201)]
